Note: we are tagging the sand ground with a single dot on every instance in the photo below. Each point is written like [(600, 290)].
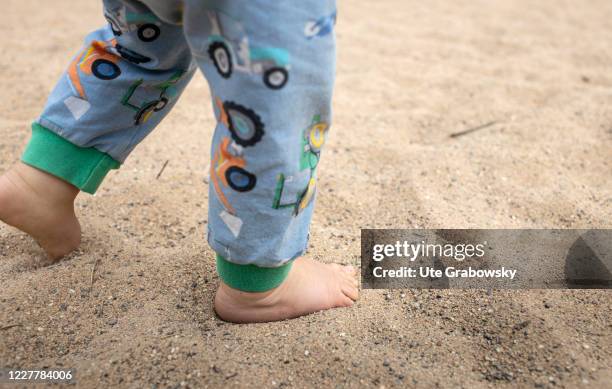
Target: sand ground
[(410, 73)]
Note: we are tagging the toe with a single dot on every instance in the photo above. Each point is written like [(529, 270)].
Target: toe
[(350, 290), (347, 301), (350, 278)]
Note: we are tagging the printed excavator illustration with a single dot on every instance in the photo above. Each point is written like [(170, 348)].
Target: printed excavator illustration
[(94, 60), (100, 60), (228, 167)]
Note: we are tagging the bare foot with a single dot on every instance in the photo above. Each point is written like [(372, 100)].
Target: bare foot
[(311, 286), (42, 206)]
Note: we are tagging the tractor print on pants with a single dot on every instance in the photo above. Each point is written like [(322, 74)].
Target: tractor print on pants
[(229, 50), (146, 25), (138, 97), (286, 194), (228, 167)]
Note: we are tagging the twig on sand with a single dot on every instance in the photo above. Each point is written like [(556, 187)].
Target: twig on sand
[(10, 326), (93, 272), (473, 129), (162, 169)]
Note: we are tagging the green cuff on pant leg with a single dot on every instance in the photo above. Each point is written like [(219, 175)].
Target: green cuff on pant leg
[(251, 278), (84, 168)]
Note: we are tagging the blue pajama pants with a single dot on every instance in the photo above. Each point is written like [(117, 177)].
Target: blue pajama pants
[(270, 66)]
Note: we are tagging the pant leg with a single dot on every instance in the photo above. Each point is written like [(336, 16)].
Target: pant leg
[(270, 66), (117, 88)]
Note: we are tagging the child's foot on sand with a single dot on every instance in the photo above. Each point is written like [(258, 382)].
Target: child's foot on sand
[(311, 286), (42, 206)]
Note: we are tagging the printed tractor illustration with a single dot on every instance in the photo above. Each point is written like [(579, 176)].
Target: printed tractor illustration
[(228, 48), (320, 27), (93, 60), (138, 97), (286, 195), (121, 21), (229, 169)]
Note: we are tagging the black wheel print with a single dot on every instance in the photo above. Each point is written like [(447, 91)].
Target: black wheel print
[(220, 55), (161, 104), (245, 125), (239, 179), (275, 78), (145, 112), (131, 55), (105, 69), (148, 32)]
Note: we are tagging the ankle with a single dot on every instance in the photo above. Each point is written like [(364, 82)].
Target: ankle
[(50, 189), (254, 299)]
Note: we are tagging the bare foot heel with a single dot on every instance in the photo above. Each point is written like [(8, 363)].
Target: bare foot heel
[(310, 287), (42, 206)]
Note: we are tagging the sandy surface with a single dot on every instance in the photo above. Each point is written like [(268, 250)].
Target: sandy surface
[(410, 73)]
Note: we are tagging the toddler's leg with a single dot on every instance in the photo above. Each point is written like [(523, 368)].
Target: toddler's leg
[(116, 89), (270, 65)]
